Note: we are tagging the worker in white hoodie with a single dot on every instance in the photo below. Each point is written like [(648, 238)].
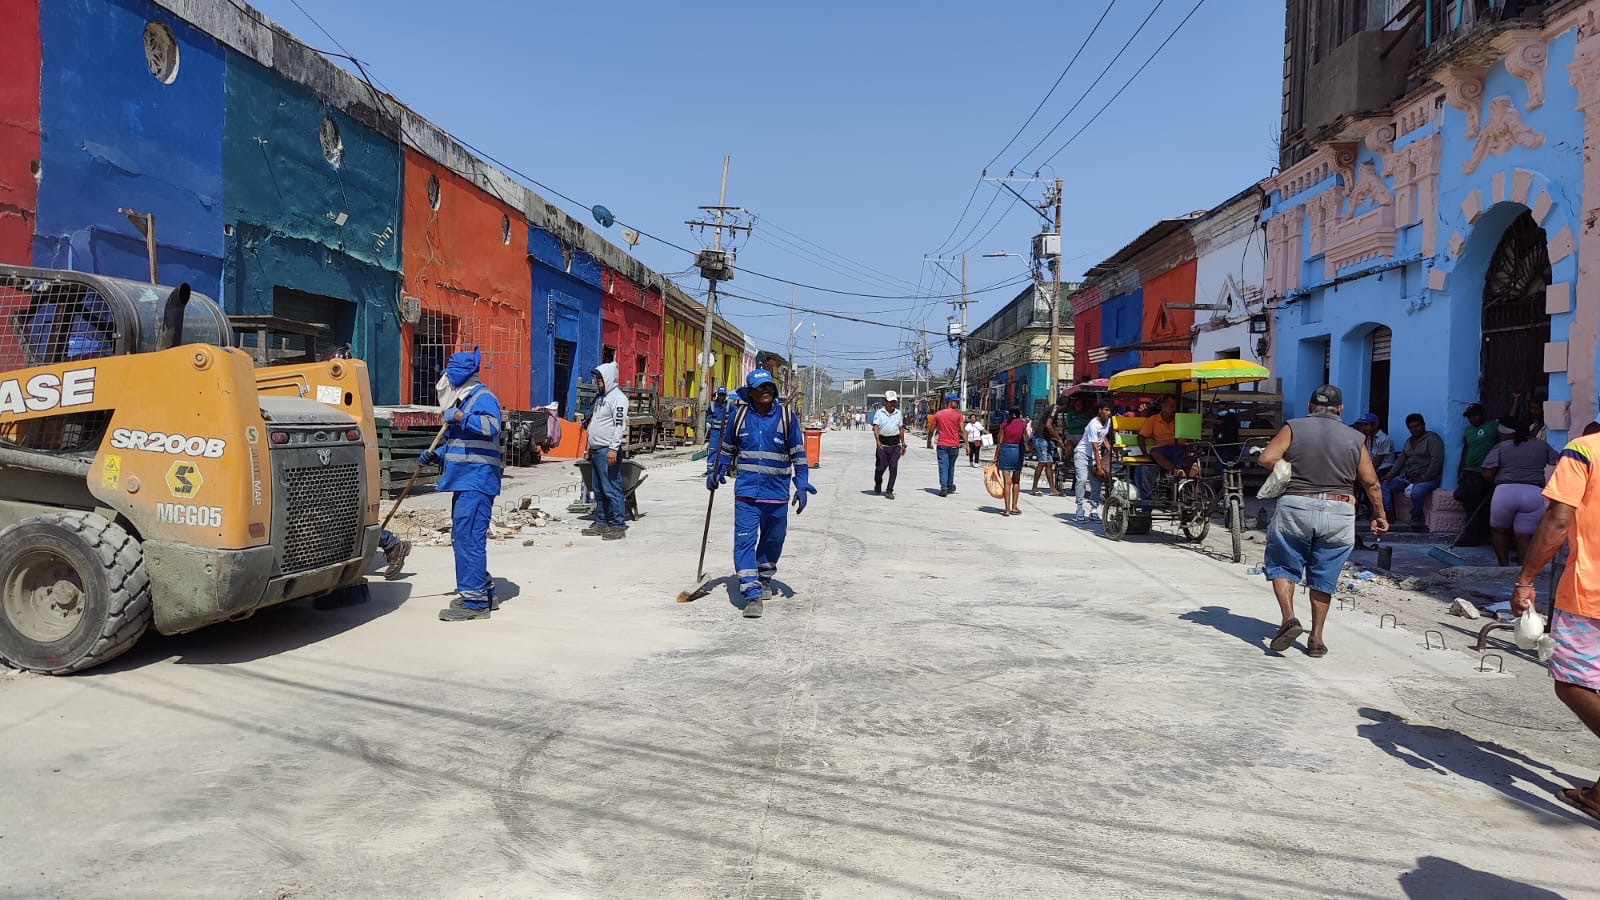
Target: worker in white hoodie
[(608, 428)]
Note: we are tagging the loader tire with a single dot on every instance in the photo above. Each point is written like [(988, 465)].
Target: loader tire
[(73, 592)]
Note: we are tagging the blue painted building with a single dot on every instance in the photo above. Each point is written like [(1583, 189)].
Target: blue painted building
[(123, 127), (312, 206), (1425, 255), (565, 345)]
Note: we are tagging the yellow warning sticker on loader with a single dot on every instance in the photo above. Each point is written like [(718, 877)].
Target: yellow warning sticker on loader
[(184, 479), (111, 475)]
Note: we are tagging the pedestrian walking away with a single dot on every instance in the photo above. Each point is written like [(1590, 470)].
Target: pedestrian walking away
[(608, 429), (1516, 468), (948, 432), (763, 448), (472, 463), (1008, 459), (888, 435), (716, 417), (1047, 441), (974, 440), (1314, 525), (1573, 515), (1091, 462)]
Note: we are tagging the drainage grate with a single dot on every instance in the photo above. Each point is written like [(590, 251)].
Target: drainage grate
[(323, 515)]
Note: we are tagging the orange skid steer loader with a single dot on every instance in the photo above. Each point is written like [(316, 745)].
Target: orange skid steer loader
[(150, 473)]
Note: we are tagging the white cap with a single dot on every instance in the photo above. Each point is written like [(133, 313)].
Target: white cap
[(889, 396)]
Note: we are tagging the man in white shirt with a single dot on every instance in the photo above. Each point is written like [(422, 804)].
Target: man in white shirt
[(888, 432), (974, 439), (1091, 460)]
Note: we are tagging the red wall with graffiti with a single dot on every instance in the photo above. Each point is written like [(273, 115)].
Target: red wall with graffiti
[(466, 258), (19, 128), (1162, 324), (630, 329)]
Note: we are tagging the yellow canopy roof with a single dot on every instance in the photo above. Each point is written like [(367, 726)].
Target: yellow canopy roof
[(1186, 377)]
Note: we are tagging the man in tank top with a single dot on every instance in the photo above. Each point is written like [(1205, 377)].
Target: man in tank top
[(1314, 525)]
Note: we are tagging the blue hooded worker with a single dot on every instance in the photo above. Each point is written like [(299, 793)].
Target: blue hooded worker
[(472, 463), (762, 445), (717, 416)]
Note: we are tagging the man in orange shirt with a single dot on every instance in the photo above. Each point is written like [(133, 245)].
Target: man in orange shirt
[(1573, 514)]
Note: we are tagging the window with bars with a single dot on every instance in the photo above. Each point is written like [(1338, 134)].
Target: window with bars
[(433, 339)]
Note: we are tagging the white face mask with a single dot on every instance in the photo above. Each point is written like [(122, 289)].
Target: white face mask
[(447, 393)]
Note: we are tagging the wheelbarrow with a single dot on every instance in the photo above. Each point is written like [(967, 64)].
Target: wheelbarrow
[(633, 475)]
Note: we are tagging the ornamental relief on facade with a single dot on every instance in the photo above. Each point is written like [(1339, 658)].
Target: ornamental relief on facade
[(1503, 131)]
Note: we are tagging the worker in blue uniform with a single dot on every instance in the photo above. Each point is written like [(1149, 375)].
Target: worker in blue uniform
[(472, 463), (763, 447), (717, 416)]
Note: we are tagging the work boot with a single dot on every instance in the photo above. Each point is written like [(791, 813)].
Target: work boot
[(766, 590), (752, 608), (395, 556), (613, 533), (598, 528), (463, 613)]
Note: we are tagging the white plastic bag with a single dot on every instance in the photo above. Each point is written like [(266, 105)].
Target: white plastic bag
[(1277, 481), (1530, 628)]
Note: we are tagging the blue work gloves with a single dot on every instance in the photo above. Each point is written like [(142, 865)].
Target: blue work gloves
[(802, 488), (430, 458), (715, 475)]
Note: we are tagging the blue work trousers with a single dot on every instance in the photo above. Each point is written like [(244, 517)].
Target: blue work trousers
[(469, 538), (610, 506), (758, 532), (947, 467)]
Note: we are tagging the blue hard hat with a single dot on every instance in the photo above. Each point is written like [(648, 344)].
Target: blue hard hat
[(722, 390), (951, 398)]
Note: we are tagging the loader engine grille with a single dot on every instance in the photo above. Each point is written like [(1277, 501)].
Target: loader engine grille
[(323, 520)]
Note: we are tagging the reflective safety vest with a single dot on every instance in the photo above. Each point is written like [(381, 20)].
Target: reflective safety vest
[(471, 447), (764, 452)]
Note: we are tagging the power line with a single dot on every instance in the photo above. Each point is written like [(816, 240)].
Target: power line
[(1090, 89), (1129, 82), (840, 256), (1048, 94)]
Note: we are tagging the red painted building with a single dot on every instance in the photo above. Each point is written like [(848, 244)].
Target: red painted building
[(630, 328), (19, 128), (466, 265), (1166, 330)]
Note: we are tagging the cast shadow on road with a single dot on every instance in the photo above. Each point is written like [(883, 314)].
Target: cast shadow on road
[(272, 631), (1446, 752), (1249, 629), (1436, 878), (780, 591)]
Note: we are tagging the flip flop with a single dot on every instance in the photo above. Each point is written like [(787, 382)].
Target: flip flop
[(1286, 635), (1573, 797)]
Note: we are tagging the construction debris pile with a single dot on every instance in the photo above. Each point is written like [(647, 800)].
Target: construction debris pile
[(520, 519)]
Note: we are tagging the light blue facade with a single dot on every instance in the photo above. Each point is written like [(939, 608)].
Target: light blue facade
[(312, 239), (566, 308), (116, 137), (1432, 301)]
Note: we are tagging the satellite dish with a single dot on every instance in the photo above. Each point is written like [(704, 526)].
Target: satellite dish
[(603, 216), (630, 237)]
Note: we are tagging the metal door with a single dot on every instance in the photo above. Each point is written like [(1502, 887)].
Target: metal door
[(1515, 327)]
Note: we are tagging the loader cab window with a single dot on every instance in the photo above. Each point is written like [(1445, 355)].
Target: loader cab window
[(65, 323)]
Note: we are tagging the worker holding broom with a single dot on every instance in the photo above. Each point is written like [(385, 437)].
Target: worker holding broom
[(763, 447), (472, 463)]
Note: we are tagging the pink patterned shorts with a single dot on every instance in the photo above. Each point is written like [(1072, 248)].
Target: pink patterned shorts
[(1577, 657)]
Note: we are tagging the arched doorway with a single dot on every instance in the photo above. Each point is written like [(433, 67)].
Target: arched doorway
[(1511, 375)]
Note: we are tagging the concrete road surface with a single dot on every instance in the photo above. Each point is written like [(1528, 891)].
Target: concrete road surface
[(944, 703)]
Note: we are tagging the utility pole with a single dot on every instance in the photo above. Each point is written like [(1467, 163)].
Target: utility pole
[(814, 396), (714, 266), (954, 333), (1055, 305)]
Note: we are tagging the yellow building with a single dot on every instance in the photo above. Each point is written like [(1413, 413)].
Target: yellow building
[(683, 333)]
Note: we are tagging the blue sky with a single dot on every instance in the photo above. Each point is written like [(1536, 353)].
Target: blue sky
[(860, 128)]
